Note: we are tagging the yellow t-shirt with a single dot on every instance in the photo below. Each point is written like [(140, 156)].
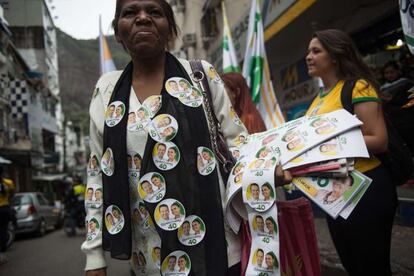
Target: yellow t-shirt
[(331, 101), (9, 185)]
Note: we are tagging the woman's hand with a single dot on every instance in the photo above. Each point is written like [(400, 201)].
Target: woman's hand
[(96, 272), (282, 177)]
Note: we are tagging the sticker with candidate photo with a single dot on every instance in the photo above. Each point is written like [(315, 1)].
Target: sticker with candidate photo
[(330, 147), (178, 87), (139, 261), (235, 117), (165, 155), (93, 196), (93, 228), (322, 125), (169, 214), (107, 162), (93, 165), (153, 104), (138, 120), (263, 225), (114, 219), (213, 75), (156, 255), (259, 196), (140, 216), (151, 187), (192, 231), (134, 160), (163, 128), (206, 161), (261, 164), (235, 151), (192, 99), (263, 261), (177, 263), (269, 138), (241, 139), (114, 113), (294, 140)]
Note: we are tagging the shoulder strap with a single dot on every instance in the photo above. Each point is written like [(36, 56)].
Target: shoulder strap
[(346, 95), (197, 67)]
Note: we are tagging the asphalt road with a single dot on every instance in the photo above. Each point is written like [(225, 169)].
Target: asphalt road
[(54, 254)]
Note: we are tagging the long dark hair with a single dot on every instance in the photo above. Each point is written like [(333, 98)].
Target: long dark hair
[(349, 63), (244, 107), (169, 14)]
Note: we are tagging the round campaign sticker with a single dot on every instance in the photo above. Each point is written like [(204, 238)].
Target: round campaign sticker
[(139, 261), (177, 87), (107, 162), (134, 164), (93, 196), (213, 75), (169, 214), (330, 147), (192, 231), (192, 99), (163, 128), (264, 225), (269, 138), (235, 117), (177, 263), (153, 104), (264, 261), (138, 120), (93, 166), (260, 196), (140, 216), (156, 256), (235, 151), (165, 155), (114, 219), (93, 228), (114, 113), (206, 161), (294, 140), (151, 187), (239, 140)]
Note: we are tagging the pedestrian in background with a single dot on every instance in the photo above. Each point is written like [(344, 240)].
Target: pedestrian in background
[(242, 103), (145, 28), (6, 192), (363, 241)]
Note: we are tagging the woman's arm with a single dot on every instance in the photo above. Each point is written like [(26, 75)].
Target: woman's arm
[(373, 129)]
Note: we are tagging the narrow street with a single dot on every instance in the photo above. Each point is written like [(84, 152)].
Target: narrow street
[(54, 254)]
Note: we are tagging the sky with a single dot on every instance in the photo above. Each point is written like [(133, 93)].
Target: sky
[(80, 18)]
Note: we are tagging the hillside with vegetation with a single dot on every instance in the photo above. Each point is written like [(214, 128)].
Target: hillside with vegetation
[(79, 71)]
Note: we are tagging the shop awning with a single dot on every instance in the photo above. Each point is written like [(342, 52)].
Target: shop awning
[(49, 177)]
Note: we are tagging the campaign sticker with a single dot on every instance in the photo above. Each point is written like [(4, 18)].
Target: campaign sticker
[(93, 196), (206, 161), (165, 155), (330, 147), (163, 128), (259, 196), (178, 87), (177, 263), (114, 219), (140, 216), (114, 113), (151, 187), (93, 228), (213, 75), (134, 164), (239, 140), (156, 256), (263, 261), (192, 99), (108, 163), (294, 140), (192, 231), (235, 117), (138, 120), (139, 261), (93, 166), (169, 214), (153, 104), (264, 226)]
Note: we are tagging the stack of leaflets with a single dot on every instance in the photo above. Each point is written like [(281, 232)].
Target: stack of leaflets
[(320, 153)]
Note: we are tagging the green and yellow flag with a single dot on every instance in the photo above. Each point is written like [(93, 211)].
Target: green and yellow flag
[(230, 63)]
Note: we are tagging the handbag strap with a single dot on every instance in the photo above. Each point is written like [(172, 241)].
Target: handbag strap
[(199, 77)]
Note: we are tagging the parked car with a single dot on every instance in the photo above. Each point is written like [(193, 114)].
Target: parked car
[(34, 213)]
